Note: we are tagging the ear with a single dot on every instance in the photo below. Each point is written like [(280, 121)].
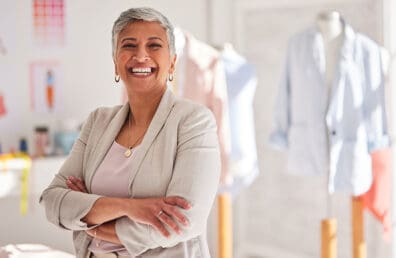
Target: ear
[(173, 63)]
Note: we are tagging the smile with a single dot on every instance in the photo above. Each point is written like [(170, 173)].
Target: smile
[(141, 71)]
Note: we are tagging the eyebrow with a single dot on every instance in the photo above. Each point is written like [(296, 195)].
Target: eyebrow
[(135, 39)]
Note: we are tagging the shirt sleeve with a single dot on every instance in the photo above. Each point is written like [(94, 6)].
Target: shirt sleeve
[(279, 135), (195, 177), (65, 208), (374, 109)]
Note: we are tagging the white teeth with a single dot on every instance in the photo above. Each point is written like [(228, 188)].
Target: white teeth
[(141, 70)]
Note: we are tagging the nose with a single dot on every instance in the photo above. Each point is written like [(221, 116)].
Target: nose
[(140, 59), (141, 56)]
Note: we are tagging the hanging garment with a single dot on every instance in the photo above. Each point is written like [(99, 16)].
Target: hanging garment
[(3, 110), (378, 199), (200, 77), (241, 87), (334, 139)]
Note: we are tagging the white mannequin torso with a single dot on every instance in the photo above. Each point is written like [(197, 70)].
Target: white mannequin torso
[(331, 28)]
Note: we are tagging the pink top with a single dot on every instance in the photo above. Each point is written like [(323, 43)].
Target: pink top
[(112, 180)]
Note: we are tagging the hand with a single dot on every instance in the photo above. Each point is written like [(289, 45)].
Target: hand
[(159, 212), (105, 232), (76, 184), (156, 212)]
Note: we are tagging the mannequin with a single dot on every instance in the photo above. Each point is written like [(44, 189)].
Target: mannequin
[(331, 28), (330, 114)]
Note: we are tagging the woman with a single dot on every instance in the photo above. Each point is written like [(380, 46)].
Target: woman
[(141, 178)]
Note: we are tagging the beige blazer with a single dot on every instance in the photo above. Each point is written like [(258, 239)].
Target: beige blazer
[(179, 155)]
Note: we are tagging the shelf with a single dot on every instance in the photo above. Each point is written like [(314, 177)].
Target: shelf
[(40, 176)]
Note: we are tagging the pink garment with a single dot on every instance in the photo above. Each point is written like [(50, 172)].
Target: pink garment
[(112, 180), (204, 82), (378, 199), (2, 106)]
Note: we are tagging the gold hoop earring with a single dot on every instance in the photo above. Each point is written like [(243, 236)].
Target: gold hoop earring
[(117, 78), (170, 77)]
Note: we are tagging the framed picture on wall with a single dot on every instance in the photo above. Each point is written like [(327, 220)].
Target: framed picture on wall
[(45, 86)]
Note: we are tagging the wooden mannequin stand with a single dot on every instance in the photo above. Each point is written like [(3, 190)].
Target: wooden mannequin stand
[(225, 225), (329, 238), (359, 246), (329, 229)]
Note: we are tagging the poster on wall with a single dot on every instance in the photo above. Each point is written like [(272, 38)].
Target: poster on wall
[(7, 48), (45, 87), (48, 22), (11, 110)]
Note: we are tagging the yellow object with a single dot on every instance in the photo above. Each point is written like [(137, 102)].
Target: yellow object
[(329, 238), (225, 225), (22, 162), (359, 245)]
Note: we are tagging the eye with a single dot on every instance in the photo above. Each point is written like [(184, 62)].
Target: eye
[(129, 45), (154, 46)]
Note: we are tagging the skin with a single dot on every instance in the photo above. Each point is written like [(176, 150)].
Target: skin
[(142, 46)]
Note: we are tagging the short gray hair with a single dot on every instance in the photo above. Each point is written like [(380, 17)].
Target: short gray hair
[(142, 14)]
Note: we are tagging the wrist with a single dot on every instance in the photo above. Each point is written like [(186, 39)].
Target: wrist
[(125, 207), (128, 207)]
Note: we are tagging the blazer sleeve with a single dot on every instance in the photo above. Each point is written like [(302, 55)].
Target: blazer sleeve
[(63, 207), (278, 138), (195, 177), (374, 104)]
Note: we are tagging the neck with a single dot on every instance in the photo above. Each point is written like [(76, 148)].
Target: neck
[(330, 25), (144, 105)]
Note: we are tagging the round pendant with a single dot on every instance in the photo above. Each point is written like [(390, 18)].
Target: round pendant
[(128, 153)]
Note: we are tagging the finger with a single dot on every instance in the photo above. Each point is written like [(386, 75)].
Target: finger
[(175, 213), (170, 222), (81, 185), (157, 224), (78, 183), (71, 185), (177, 201), (89, 232)]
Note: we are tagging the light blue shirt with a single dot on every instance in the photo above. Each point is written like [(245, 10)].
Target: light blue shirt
[(332, 137), (241, 87)]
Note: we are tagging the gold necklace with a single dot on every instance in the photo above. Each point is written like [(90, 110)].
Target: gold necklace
[(128, 152)]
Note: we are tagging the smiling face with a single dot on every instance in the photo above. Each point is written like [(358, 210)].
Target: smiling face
[(142, 57)]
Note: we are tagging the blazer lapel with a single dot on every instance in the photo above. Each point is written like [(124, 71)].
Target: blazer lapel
[(338, 87), (318, 52), (106, 140), (159, 119)]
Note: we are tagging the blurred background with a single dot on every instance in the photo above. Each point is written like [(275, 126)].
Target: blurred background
[(56, 67)]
